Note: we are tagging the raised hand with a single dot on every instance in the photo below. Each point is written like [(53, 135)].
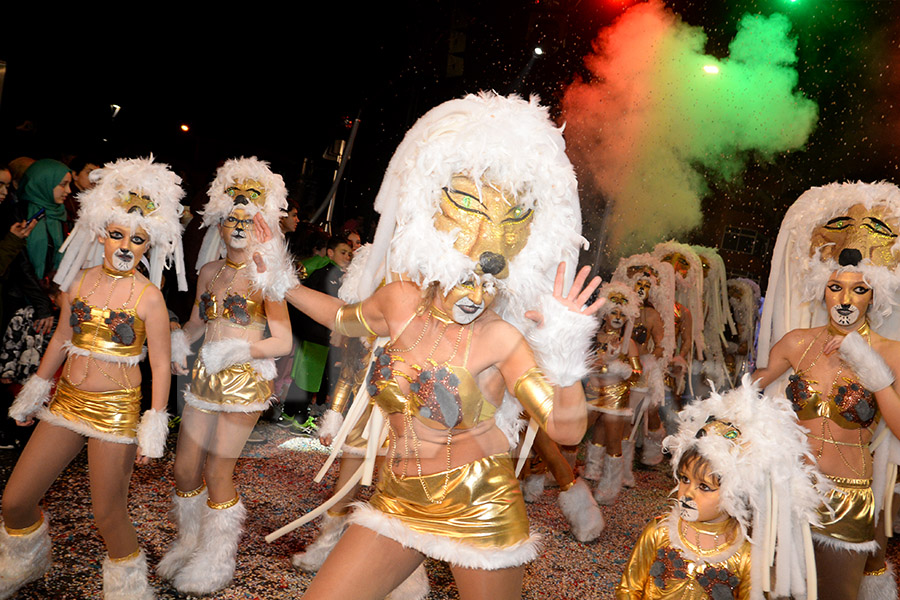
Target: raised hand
[(579, 294)]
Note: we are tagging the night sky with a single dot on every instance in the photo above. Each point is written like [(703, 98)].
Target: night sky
[(284, 84)]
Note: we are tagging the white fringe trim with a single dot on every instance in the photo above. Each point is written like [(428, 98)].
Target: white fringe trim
[(201, 404), (110, 358), (152, 433), (441, 548), (33, 396), (831, 543), (82, 428), (221, 354)]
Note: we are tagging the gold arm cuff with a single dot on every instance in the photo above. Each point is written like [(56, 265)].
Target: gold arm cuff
[(342, 391), (25, 531), (223, 505), (636, 366), (130, 557), (350, 321), (191, 493), (536, 394), (876, 572)]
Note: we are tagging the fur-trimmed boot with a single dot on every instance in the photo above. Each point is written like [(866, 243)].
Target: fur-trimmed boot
[(533, 487), (652, 453), (212, 566), (187, 512), (126, 578), (330, 533), (610, 485), (879, 587), (24, 556), (581, 511), (628, 455), (593, 462), (414, 587)]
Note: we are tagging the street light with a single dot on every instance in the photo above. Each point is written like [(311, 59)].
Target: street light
[(711, 69)]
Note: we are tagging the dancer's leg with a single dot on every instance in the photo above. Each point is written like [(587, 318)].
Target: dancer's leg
[(47, 453), (110, 466), (363, 566), (839, 572), (232, 431), (194, 437), (499, 584), (614, 427)]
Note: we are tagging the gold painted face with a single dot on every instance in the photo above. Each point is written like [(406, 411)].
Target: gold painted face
[(122, 247), (642, 287), (236, 228), (493, 228), (858, 234), (247, 191), (847, 298), (679, 263)]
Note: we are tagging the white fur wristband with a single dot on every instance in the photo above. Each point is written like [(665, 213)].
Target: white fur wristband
[(34, 395), (152, 433), (218, 356), (181, 348), (330, 424), (280, 274), (873, 372), (562, 345)]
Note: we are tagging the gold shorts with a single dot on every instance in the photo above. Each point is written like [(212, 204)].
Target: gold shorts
[(612, 399), (479, 523), (239, 388), (111, 416), (854, 511)]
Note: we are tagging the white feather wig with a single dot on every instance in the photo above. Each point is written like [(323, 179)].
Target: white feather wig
[(746, 312), (768, 464), (716, 315), (662, 293), (797, 278), (108, 202), (688, 289)]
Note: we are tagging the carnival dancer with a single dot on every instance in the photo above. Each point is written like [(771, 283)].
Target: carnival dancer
[(109, 312), (744, 297), (654, 333), (616, 367), (688, 311), (232, 378), (479, 206), (732, 455), (716, 318), (831, 306)]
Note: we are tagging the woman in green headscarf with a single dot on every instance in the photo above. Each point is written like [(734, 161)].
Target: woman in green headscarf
[(45, 185)]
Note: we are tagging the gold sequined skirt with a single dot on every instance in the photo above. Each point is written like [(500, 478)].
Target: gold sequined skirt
[(483, 507), (613, 398), (105, 415), (853, 503), (239, 388)]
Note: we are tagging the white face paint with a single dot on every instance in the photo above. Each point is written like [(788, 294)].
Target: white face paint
[(236, 229), (687, 509), (468, 301), (844, 315), (847, 298), (616, 319), (122, 248)]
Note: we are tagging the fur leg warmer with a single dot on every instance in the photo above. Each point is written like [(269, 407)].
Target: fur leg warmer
[(610, 485), (414, 587), (23, 558), (126, 578), (582, 512), (33, 396), (628, 455), (651, 455), (152, 433), (187, 512), (329, 534), (533, 487), (562, 345), (879, 587), (873, 372), (593, 464), (211, 568)]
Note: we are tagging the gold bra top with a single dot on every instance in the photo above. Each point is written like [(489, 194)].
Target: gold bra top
[(114, 332), (850, 406), (238, 309), (440, 395)]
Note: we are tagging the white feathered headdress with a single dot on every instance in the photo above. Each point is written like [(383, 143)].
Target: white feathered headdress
[(688, 289), (768, 481), (134, 192), (662, 292)]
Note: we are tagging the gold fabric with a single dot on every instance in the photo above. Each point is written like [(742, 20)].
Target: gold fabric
[(116, 412), (611, 398), (238, 384), (638, 582), (350, 321), (853, 503), (535, 393), (97, 336), (222, 505), (483, 506), (215, 309)]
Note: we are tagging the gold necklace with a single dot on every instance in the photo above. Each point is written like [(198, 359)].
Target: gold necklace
[(114, 273), (722, 528)]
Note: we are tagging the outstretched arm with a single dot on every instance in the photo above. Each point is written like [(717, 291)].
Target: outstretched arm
[(779, 362)]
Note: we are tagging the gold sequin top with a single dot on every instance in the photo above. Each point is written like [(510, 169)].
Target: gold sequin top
[(113, 332)]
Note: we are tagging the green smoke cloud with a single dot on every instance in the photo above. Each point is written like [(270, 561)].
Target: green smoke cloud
[(653, 122)]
